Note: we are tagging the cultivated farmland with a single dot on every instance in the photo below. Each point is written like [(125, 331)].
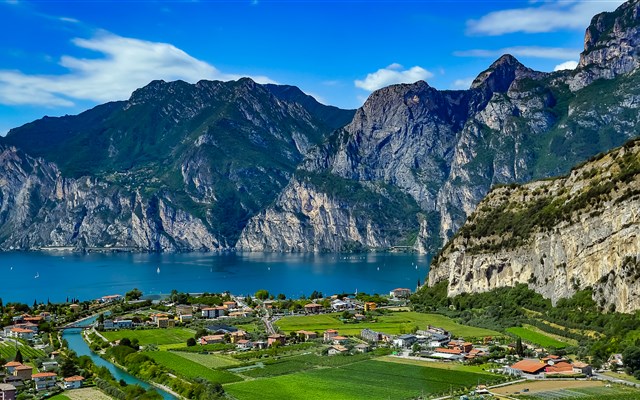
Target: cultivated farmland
[(394, 323), (191, 369), (538, 338), (152, 336)]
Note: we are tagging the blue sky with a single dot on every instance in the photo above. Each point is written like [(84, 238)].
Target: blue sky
[(62, 57)]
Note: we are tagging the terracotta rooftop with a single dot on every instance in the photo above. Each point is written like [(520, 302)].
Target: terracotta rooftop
[(44, 375), (579, 364), (12, 364), (74, 378), (529, 366), (448, 351)]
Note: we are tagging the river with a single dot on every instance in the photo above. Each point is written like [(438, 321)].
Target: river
[(45, 276), (77, 344)]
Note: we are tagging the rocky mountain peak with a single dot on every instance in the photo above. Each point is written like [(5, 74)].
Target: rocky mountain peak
[(611, 45), (499, 76)]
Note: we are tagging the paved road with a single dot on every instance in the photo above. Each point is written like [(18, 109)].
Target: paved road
[(614, 380)]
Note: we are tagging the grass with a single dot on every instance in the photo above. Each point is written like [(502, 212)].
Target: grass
[(370, 379), (303, 362), (536, 337), (209, 360), (8, 351), (152, 336), (434, 364), (395, 323), (601, 393), (60, 397), (191, 369)]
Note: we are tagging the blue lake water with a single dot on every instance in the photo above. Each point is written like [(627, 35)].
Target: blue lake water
[(29, 276)]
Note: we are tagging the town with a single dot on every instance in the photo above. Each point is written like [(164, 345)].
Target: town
[(220, 345)]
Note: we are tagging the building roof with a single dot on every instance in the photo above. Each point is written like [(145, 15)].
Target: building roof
[(331, 331), (579, 364), (21, 330), (213, 337), (448, 351), (529, 366), (5, 387), (312, 305), (340, 338), (340, 348), (559, 367), (24, 368), (243, 341), (12, 364), (75, 378), (43, 375), (303, 332)]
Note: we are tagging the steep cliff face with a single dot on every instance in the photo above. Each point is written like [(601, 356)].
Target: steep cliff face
[(558, 236), (445, 149), (41, 209), (176, 167)]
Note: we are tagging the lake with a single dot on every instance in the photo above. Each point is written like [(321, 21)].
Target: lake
[(29, 276)]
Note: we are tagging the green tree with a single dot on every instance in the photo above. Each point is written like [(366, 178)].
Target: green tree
[(262, 294), (191, 342), (631, 358), (101, 318), (519, 347), (68, 367), (18, 357), (134, 294)]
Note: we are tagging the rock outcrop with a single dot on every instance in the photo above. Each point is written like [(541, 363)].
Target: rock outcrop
[(558, 236)]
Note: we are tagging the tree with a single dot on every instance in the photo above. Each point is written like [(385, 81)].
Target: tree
[(19, 357), (631, 358), (281, 296), (262, 294), (134, 294), (200, 333), (125, 341), (519, 347), (101, 318), (191, 342), (68, 367)]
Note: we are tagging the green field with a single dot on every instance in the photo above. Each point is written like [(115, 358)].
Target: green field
[(370, 379), (393, 324), (303, 362), (8, 351), (152, 336), (59, 397), (538, 338), (191, 369), (209, 360)]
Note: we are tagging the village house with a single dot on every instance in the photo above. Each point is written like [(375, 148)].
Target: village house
[(186, 318), (276, 338), (474, 353), (359, 317), (108, 325), (34, 320), (370, 336), (337, 349), (75, 308), (329, 334), (7, 392), (361, 347), (211, 339), (370, 306), (582, 368), (526, 366), (307, 335), (616, 359), (123, 323), (312, 308), (238, 335), (213, 312), (260, 345), (446, 354), (73, 382), (461, 345), (49, 366), (229, 305), (406, 340), (110, 298), (44, 380), (166, 322), (244, 344), (156, 317), (340, 340), (11, 366), (400, 293), (46, 316), (21, 333)]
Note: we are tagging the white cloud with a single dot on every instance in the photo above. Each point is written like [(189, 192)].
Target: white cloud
[(464, 83), (558, 53), (566, 65), (543, 17), (392, 74), (125, 65)]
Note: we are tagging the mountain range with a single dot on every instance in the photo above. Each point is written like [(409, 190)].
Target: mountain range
[(238, 165)]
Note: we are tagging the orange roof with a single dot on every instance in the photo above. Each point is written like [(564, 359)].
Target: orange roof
[(579, 364), (44, 375), (312, 305), (331, 331), (24, 367), (529, 366), (559, 367), (340, 348), (340, 338), (448, 351), (12, 364), (303, 332), (21, 330), (243, 341), (74, 378)]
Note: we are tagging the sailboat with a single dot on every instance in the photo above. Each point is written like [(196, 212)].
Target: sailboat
[(37, 275), (158, 270)]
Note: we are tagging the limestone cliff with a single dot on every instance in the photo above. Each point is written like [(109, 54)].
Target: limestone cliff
[(446, 149), (558, 236)]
